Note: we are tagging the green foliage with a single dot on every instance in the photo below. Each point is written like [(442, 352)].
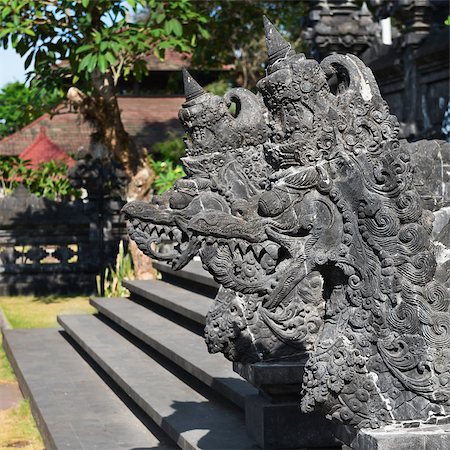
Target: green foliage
[(447, 21), (12, 171), (20, 105), (102, 36), (166, 173), (165, 162), (49, 180), (91, 45), (236, 34), (115, 276), (219, 87), (171, 149)]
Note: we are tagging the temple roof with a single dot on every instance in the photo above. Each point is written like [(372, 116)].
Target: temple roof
[(43, 150), (147, 119)]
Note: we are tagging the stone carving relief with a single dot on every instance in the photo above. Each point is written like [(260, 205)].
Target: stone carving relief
[(302, 206), (340, 26)]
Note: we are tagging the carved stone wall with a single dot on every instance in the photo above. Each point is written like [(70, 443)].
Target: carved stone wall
[(339, 26), (412, 73), (49, 247), (303, 206)]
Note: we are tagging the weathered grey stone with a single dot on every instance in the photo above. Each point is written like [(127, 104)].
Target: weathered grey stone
[(283, 425), (304, 208), (187, 416), (340, 26), (185, 303), (73, 407), (177, 344), (277, 378), (413, 436), (192, 273), (412, 71)]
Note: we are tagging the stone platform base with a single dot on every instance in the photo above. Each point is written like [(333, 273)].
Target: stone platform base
[(420, 437), (283, 425), (273, 417)]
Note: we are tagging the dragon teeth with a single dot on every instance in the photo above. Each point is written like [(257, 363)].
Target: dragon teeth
[(272, 250), (177, 234), (257, 250)]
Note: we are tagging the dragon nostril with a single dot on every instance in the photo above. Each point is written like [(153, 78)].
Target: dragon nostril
[(270, 204), (179, 200)]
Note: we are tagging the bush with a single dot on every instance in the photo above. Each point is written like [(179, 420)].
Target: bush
[(166, 173), (49, 180), (219, 87), (165, 162), (115, 276), (172, 149), (12, 171)]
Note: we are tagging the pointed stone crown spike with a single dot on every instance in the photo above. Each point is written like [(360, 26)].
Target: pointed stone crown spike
[(192, 89), (277, 46), (364, 11)]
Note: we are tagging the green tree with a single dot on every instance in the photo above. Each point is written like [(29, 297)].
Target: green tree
[(21, 104), (236, 34), (81, 48)]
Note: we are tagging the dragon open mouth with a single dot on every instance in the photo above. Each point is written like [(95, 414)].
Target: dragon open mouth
[(163, 242), (163, 234)]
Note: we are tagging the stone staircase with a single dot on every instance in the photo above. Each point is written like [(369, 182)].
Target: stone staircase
[(137, 375)]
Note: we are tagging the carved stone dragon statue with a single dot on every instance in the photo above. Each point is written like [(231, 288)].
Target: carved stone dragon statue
[(302, 205)]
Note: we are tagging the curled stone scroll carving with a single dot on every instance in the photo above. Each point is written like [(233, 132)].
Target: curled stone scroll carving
[(303, 207)]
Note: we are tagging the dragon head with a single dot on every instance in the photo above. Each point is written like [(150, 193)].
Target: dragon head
[(215, 152)]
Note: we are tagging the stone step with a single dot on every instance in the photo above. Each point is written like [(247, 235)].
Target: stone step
[(192, 273), (181, 346), (188, 417), (186, 303), (72, 405)]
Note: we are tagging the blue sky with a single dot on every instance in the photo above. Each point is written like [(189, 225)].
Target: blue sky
[(11, 67)]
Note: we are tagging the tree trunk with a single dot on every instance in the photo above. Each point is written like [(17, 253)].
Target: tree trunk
[(143, 267), (102, 111)]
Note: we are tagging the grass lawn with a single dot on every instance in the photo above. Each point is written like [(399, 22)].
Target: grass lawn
[(17, 427)]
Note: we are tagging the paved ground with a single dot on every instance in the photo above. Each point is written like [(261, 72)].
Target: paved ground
[(10, 395)]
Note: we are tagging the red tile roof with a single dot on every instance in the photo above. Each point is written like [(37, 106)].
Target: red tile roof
[(43, 150), (147, 119)]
